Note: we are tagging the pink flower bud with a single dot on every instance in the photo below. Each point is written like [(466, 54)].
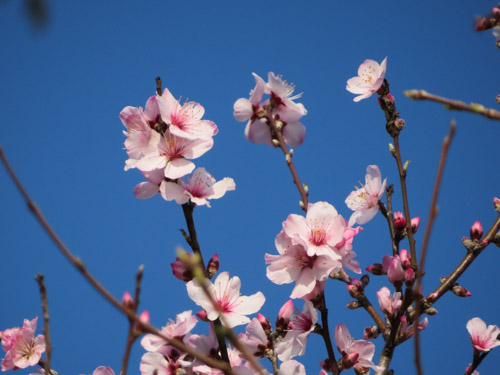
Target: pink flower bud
[(409, 275), (376, 269), (482, 24), (496, 13), (399, 123), (415, 223), (353, 305), (365, 280), (405, 258), (357, 283), (353, 291), (213, 266), (180, 271), (202, 315), (476, 231), (371, 333), (399, 221), (127, 301), (284, 315), (391, 98), (349, 360), (264, 322), (144, 318), (431, 311), (460, 291), (432, 297), (442, 279)]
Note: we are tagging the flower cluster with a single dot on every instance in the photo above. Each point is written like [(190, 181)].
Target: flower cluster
[(280, 108), (22, 348), (162, 140), (311, 248)]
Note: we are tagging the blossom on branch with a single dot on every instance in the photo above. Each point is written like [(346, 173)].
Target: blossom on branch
[(225, 299), (370, 77), (483, 338), (364, 201)]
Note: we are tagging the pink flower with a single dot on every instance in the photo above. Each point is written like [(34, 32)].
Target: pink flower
[(21, 348), (184, 323), (294, 264), (151, 186), (292, 367), (359, 352), (394, 269), (225, 292), (255, 339), (388, 304), (153, 363), (319, 232), (406, 332), (201, 187), (483, 339), (103, 370), (364, 201), (301, 325), (345, 248), (370, 78)]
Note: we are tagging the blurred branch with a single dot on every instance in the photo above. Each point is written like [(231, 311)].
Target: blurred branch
[(38, 12), (454, 104), (430, 222)]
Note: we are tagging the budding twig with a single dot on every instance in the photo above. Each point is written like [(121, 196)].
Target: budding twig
[(454, 104), (430, 222), (46, 331)]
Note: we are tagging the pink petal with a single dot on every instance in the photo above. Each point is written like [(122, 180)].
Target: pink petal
[(294, 134), (146, 190)]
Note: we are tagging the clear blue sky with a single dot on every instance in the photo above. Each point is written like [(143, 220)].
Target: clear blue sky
[(63, 87)]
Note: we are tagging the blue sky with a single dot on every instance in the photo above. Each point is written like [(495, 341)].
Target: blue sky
[(64, 86)]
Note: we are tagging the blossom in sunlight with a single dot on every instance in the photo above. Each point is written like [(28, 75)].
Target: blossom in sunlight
[(319, 232), (357, 353), (22, 348), (483, 338), (229, 304), (292, 367), (199, 188), (389, 304), (370, 77), (300, 326), (184, 323), (280, 105), (364, 201), (293, 264), (255, 339)]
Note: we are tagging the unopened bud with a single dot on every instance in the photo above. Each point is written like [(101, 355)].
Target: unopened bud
[(392, 149), (405, 258), (460, 291), (498, 99), (432, 297), (468, 244), (365, 280), (496, 203), (306, 188), (406, 164), (284, 315), (143, 318), (431, 311), (376, 269), (264, 322), (391, 98), (399, 221), (482, 24), (371, 333), (202, 315), (301, 204), (276, 142), (399, 123), (442, 279), (353, 291), (213, 266), (349, 360), (180, 271), (415, 223), (278, 124), (496, 13), (476, 231), (291, 152), (288, 158), (409, 275), (353, 305), (127, 301)]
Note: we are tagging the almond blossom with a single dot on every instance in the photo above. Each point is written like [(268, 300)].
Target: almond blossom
[(370, 77), (388, 304), (22, 348), (300, 326), (319, 232), (364, 201), (483, 338), (225, 294), (354, 352), (201, 187), (294, 264)]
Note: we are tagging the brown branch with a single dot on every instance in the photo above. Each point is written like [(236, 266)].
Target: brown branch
[(325, 333), (430, 222), (388, 214), (132, 335), (80, 266), (454, 104), (46, 331)]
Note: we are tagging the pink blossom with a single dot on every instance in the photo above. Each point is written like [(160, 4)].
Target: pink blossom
[(151, 186), (292, 367), (255, 339), (294, 264), (185, 121), (103, 370), (364, 201), (345, 248), (281, 93), (201, 187), (370, 78), (389, 304), (319, 232), (406, 332), (153, 363), (394, 269), (301, 325), (483, 338), (184, 323), (355, 351), (225, 292), (21, 348)]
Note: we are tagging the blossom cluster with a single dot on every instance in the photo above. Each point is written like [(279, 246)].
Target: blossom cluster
[(162, 140), (280, 108)]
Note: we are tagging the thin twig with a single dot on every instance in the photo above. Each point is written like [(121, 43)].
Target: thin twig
[(325, 333), (80, 266), (387, 213), (46, 331), (430, 222), (132, 336), (454, 104)]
